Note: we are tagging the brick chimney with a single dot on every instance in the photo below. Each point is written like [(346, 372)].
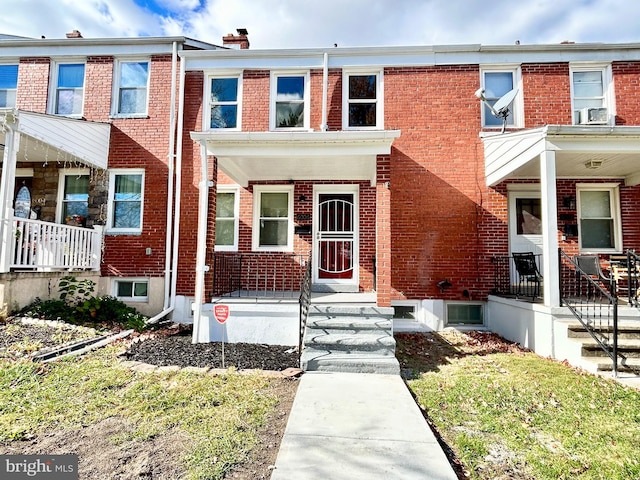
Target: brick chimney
[(240, 41), (74, 34)]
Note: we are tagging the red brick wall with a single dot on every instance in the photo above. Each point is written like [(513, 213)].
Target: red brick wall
[(627, 85), (33, 82), (547, 94)]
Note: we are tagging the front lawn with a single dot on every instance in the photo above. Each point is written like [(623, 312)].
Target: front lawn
[(508, 413)]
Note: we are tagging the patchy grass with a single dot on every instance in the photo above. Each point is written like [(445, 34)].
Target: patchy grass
[(219, 416), (507, 413)]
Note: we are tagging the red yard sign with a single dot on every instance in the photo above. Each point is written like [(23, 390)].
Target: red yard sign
[(221, 312)]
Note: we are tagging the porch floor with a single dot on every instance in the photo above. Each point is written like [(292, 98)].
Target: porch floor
[(288, 297)]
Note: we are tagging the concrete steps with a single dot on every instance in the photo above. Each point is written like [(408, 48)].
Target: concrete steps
[(354, 339)]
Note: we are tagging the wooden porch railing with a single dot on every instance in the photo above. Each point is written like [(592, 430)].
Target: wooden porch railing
[(51, 246)]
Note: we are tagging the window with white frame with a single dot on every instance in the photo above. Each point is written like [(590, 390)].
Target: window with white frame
[(496, 82), (126, 195), (273, 218), (465, 313), (591, 94), (73, 196), (289, 100), (131, 88), (224, 104), (8, 85), (227, 219), (131, 290), (68, 93), (362, 94), (599, 225)]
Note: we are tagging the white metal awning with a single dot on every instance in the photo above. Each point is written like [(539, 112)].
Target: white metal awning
[(581, 152), (50, 137), (258, 156)]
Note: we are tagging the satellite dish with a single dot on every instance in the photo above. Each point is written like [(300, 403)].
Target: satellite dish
[(501, 107)]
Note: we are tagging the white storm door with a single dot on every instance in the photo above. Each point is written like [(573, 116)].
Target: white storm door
[(525, 223), (335, 247)]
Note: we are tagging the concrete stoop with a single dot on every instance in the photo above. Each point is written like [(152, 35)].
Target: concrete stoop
[(353, 339), (596, 360)]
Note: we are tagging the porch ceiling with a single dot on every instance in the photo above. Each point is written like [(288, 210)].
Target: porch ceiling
[(255, 156), (54, 138), (517, 155)]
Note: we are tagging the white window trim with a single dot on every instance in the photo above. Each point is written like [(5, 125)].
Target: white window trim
[(114, 289), (517, 108), (608, 89), (116, 88), (464, 326), (53, 83), (273, 93), (15, 90), (379, 98), (206, 120), (235, 189), (62, 175), (614, 196), (112, 174), (257, 191)]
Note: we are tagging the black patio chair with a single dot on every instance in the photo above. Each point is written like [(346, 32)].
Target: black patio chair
[(528, 273), (590, 265)]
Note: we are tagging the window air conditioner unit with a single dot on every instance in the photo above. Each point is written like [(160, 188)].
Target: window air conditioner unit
[(593, 116)]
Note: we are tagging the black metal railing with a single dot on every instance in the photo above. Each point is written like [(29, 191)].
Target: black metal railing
[(305, 302), (509, 280), (625, 272), (268, 275), (593, 303)]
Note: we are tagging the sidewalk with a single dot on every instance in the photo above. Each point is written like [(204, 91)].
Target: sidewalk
[(358, 426)]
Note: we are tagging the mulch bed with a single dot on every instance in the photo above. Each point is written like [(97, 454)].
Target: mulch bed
[(177, 349)]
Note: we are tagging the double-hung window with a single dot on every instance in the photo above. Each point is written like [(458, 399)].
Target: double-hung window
[(126, 196), (496, 82), (273, 218), (227, 219), (68, 95), (591, 94), (289, 101), (73, 196), (363, 105), (224, 95), (599, 227), (8, 84), (131, 88)]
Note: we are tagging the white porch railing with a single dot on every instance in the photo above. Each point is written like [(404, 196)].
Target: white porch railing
[(47, 246)]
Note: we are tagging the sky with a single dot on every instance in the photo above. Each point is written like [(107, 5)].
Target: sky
[(324, 23)]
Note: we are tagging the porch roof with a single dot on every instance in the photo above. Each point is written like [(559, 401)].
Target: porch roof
[(57, 138), (255, 156), (581, 152)]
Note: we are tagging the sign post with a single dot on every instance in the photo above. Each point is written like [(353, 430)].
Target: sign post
[(221, 312)]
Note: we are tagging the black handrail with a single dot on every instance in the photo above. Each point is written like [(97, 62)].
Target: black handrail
[(305, 302), (595, 308), (633, 264)]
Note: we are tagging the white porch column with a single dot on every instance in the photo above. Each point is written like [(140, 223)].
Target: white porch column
[(548, 194), (7, 187)]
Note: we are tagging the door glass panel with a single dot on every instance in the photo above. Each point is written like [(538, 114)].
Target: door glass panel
[(529, 216), (336, 230)]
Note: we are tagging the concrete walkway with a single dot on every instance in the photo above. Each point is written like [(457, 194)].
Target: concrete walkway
[(358, 426)]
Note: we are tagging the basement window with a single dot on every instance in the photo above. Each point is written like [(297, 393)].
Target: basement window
[(465, 314), (131, 290)]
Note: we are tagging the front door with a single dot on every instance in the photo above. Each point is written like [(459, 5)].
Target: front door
[(525, 222), (335, 248)]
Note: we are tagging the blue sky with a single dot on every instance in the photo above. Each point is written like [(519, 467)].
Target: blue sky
[(322, 23)]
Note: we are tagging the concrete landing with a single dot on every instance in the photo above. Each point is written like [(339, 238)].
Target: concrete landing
[(358, 426)]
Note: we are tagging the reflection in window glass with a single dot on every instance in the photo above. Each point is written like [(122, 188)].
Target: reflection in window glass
[(274, 221), (529, 214), (132, 96), (225, 219), (8, 84), (127, 201), (496, 84), (596, 219), (70, 91), (588, 90), (76, 196), (224, 103), (290, 101)]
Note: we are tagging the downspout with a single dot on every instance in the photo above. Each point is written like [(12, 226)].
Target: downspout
[(325, 91), (201, 249), (6, 193), (169, 297)]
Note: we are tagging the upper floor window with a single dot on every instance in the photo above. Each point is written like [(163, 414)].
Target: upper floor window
[(273, 220), (8, 84), (126, 192), (362, 94), (591, 95), (68, 94), (224, 103), (227, 219), (73, 196), (496, 83), (599, 227), (289, 101), (132, 84)]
